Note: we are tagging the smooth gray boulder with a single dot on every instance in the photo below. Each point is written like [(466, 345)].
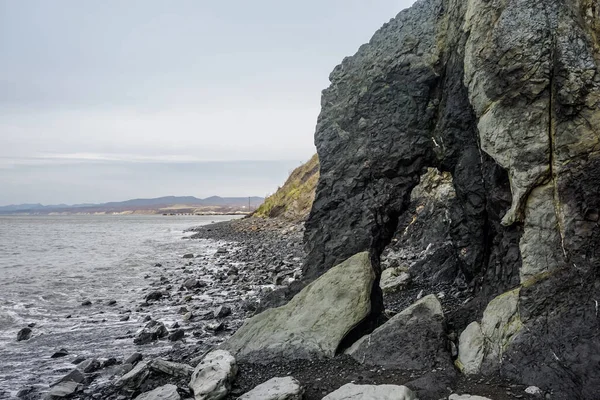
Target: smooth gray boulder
[(470, 349), (413, 339), (315, 321), (286, 388), (213, 376), (167, 392), (500, 324), (351, 391)]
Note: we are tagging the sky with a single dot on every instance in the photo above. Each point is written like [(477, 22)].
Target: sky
[(111, 100)]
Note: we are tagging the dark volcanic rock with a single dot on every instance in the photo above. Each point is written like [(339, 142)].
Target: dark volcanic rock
[(24, 334), (153, 330), (60, 353), (504, 97)]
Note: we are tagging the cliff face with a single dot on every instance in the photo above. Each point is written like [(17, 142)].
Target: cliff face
[(503, 95)]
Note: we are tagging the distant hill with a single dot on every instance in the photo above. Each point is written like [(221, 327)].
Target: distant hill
[(294, 199), (172, 204)]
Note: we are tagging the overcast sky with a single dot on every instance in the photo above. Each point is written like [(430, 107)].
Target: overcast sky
[(110, 100)]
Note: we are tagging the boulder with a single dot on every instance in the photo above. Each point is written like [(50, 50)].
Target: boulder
[(466, 397), (74, 376), (167, 392), (189, 255), (470, 349), (213, 376), (286, 388), (500, 324), (153, 330), (65, 389), (413, 339), (315, 321), (351, 391), (394, 279), (24, 334), (171, 368), (134, 378), (90, 365)]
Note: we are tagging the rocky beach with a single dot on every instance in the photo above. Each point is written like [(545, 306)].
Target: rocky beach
[(189, 308), (442, 245)]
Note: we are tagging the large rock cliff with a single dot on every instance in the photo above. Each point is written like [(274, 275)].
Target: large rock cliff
[(503, 95)]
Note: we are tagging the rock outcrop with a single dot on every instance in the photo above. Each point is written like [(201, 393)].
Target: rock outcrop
[(502, 98), (315, 322)]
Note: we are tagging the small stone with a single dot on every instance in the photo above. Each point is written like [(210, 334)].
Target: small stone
[(24, 334), (111, 302), (534, 390), (222, 312), (60, 353), (189, 255), (86, 303), (88, 366), (177, 335), (154, 296), (216, 326), (133, 359)]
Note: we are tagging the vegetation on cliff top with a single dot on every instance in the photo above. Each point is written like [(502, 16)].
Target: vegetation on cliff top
[(294, 199)]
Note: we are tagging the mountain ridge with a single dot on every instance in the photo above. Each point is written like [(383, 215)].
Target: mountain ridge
[(212, 201)]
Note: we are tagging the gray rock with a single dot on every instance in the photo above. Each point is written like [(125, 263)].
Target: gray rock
[(466, 397), (351, 391), (74, 376), (65, 389), (171, 368), (153, 331), (24, 334), (154, 295), (176, 335), (222, 311), (471, 349), (315, 321), (166, 392), (133, 359), (413, 339), (500, 325), (189, 255), (394, 279), (213, 376), (60, 353), (90, 365), (286, 388), (133, 379)]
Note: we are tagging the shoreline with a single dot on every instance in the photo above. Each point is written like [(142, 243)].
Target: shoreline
[(251, 255)]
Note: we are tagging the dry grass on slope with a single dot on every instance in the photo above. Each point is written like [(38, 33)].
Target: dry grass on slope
[(294, 199)]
